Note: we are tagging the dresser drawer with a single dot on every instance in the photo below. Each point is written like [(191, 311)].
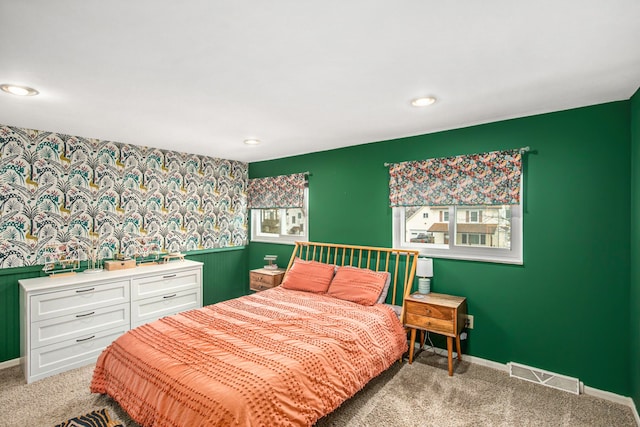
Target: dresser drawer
[(429, 310), (431, 323), (68, 354), (162, 284), (150, 309), (79, 325), (78, 300)]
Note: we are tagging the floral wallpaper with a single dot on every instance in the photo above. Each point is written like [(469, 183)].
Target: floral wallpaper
[(56, 189)]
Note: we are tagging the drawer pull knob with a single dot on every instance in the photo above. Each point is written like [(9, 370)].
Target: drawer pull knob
[(169, 276), (169, 296), (79, 291), (86, 314), (86, 339)]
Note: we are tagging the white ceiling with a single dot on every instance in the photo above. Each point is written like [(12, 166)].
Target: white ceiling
[(200, 76)]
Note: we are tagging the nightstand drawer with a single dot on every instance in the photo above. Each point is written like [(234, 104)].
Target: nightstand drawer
[(256, 285), (430, 323), (267, 280), (430, 310)]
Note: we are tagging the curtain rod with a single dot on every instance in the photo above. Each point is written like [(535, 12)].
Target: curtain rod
[(521, 150)]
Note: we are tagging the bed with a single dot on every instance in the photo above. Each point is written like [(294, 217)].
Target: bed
[(284, 356)]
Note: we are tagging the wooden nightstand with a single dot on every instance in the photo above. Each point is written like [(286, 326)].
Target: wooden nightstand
[(262, 278), (439, 313)]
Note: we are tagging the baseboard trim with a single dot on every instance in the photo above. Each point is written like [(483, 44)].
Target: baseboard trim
[(466, 357), (607, 395), (602, 394), (9, 363)]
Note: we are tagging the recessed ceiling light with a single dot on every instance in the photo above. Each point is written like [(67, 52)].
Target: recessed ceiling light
[(19, 90), (424, 101), (252, 141)]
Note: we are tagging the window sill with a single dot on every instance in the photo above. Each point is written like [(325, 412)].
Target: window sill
[(278, 241), (443, 254)]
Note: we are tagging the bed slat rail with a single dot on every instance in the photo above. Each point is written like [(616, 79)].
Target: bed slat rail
[(399, 263)]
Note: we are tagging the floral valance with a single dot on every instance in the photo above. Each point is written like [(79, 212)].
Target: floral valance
[(476, 179), (283, 191)]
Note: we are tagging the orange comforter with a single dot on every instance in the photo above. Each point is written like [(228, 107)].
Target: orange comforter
[(274, 358)]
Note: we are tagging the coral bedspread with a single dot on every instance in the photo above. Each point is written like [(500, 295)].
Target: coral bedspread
[(274, 358)]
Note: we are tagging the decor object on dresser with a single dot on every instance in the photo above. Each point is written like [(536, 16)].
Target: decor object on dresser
[(173, 256), (61, 258), (263, 278), (93, 255), (277, 357), (147, 250), (67, 321), (439, 313), (115, 264)]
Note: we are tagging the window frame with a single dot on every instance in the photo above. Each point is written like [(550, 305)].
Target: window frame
[(284, 239), (514, 255)]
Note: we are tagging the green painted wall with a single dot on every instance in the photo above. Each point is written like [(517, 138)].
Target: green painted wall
[(224, 273), (566, 310), (224, 277), (635, 249), (10, 309)]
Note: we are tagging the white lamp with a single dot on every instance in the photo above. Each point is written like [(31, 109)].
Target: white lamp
[(424, 270)]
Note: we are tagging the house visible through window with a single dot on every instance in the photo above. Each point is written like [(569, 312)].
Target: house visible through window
[(475, 227)]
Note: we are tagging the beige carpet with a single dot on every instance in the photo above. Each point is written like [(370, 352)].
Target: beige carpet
[(421, 394)]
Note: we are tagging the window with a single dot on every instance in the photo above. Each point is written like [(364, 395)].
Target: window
[(482, 233), (279, 208), (467, 206), (280, 225)]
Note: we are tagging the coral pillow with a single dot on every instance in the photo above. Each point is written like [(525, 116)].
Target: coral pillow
[(359, 285), (309, 276)]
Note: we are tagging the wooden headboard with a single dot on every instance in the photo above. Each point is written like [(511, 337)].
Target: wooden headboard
[(400, 263)]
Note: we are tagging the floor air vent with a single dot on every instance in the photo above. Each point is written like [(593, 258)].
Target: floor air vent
[(549, 379)]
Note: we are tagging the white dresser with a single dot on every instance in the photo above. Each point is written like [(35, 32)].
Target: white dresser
[(67, 321)]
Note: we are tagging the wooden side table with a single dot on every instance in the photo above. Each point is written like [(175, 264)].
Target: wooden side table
[(439, 313), (263, 278)]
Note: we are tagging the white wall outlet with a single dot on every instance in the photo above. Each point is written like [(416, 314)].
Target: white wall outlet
[(468, 321)]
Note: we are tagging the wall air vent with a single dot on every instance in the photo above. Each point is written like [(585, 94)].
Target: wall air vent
[(549, 379)]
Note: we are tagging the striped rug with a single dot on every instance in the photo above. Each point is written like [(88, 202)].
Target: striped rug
[(98, 418)]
